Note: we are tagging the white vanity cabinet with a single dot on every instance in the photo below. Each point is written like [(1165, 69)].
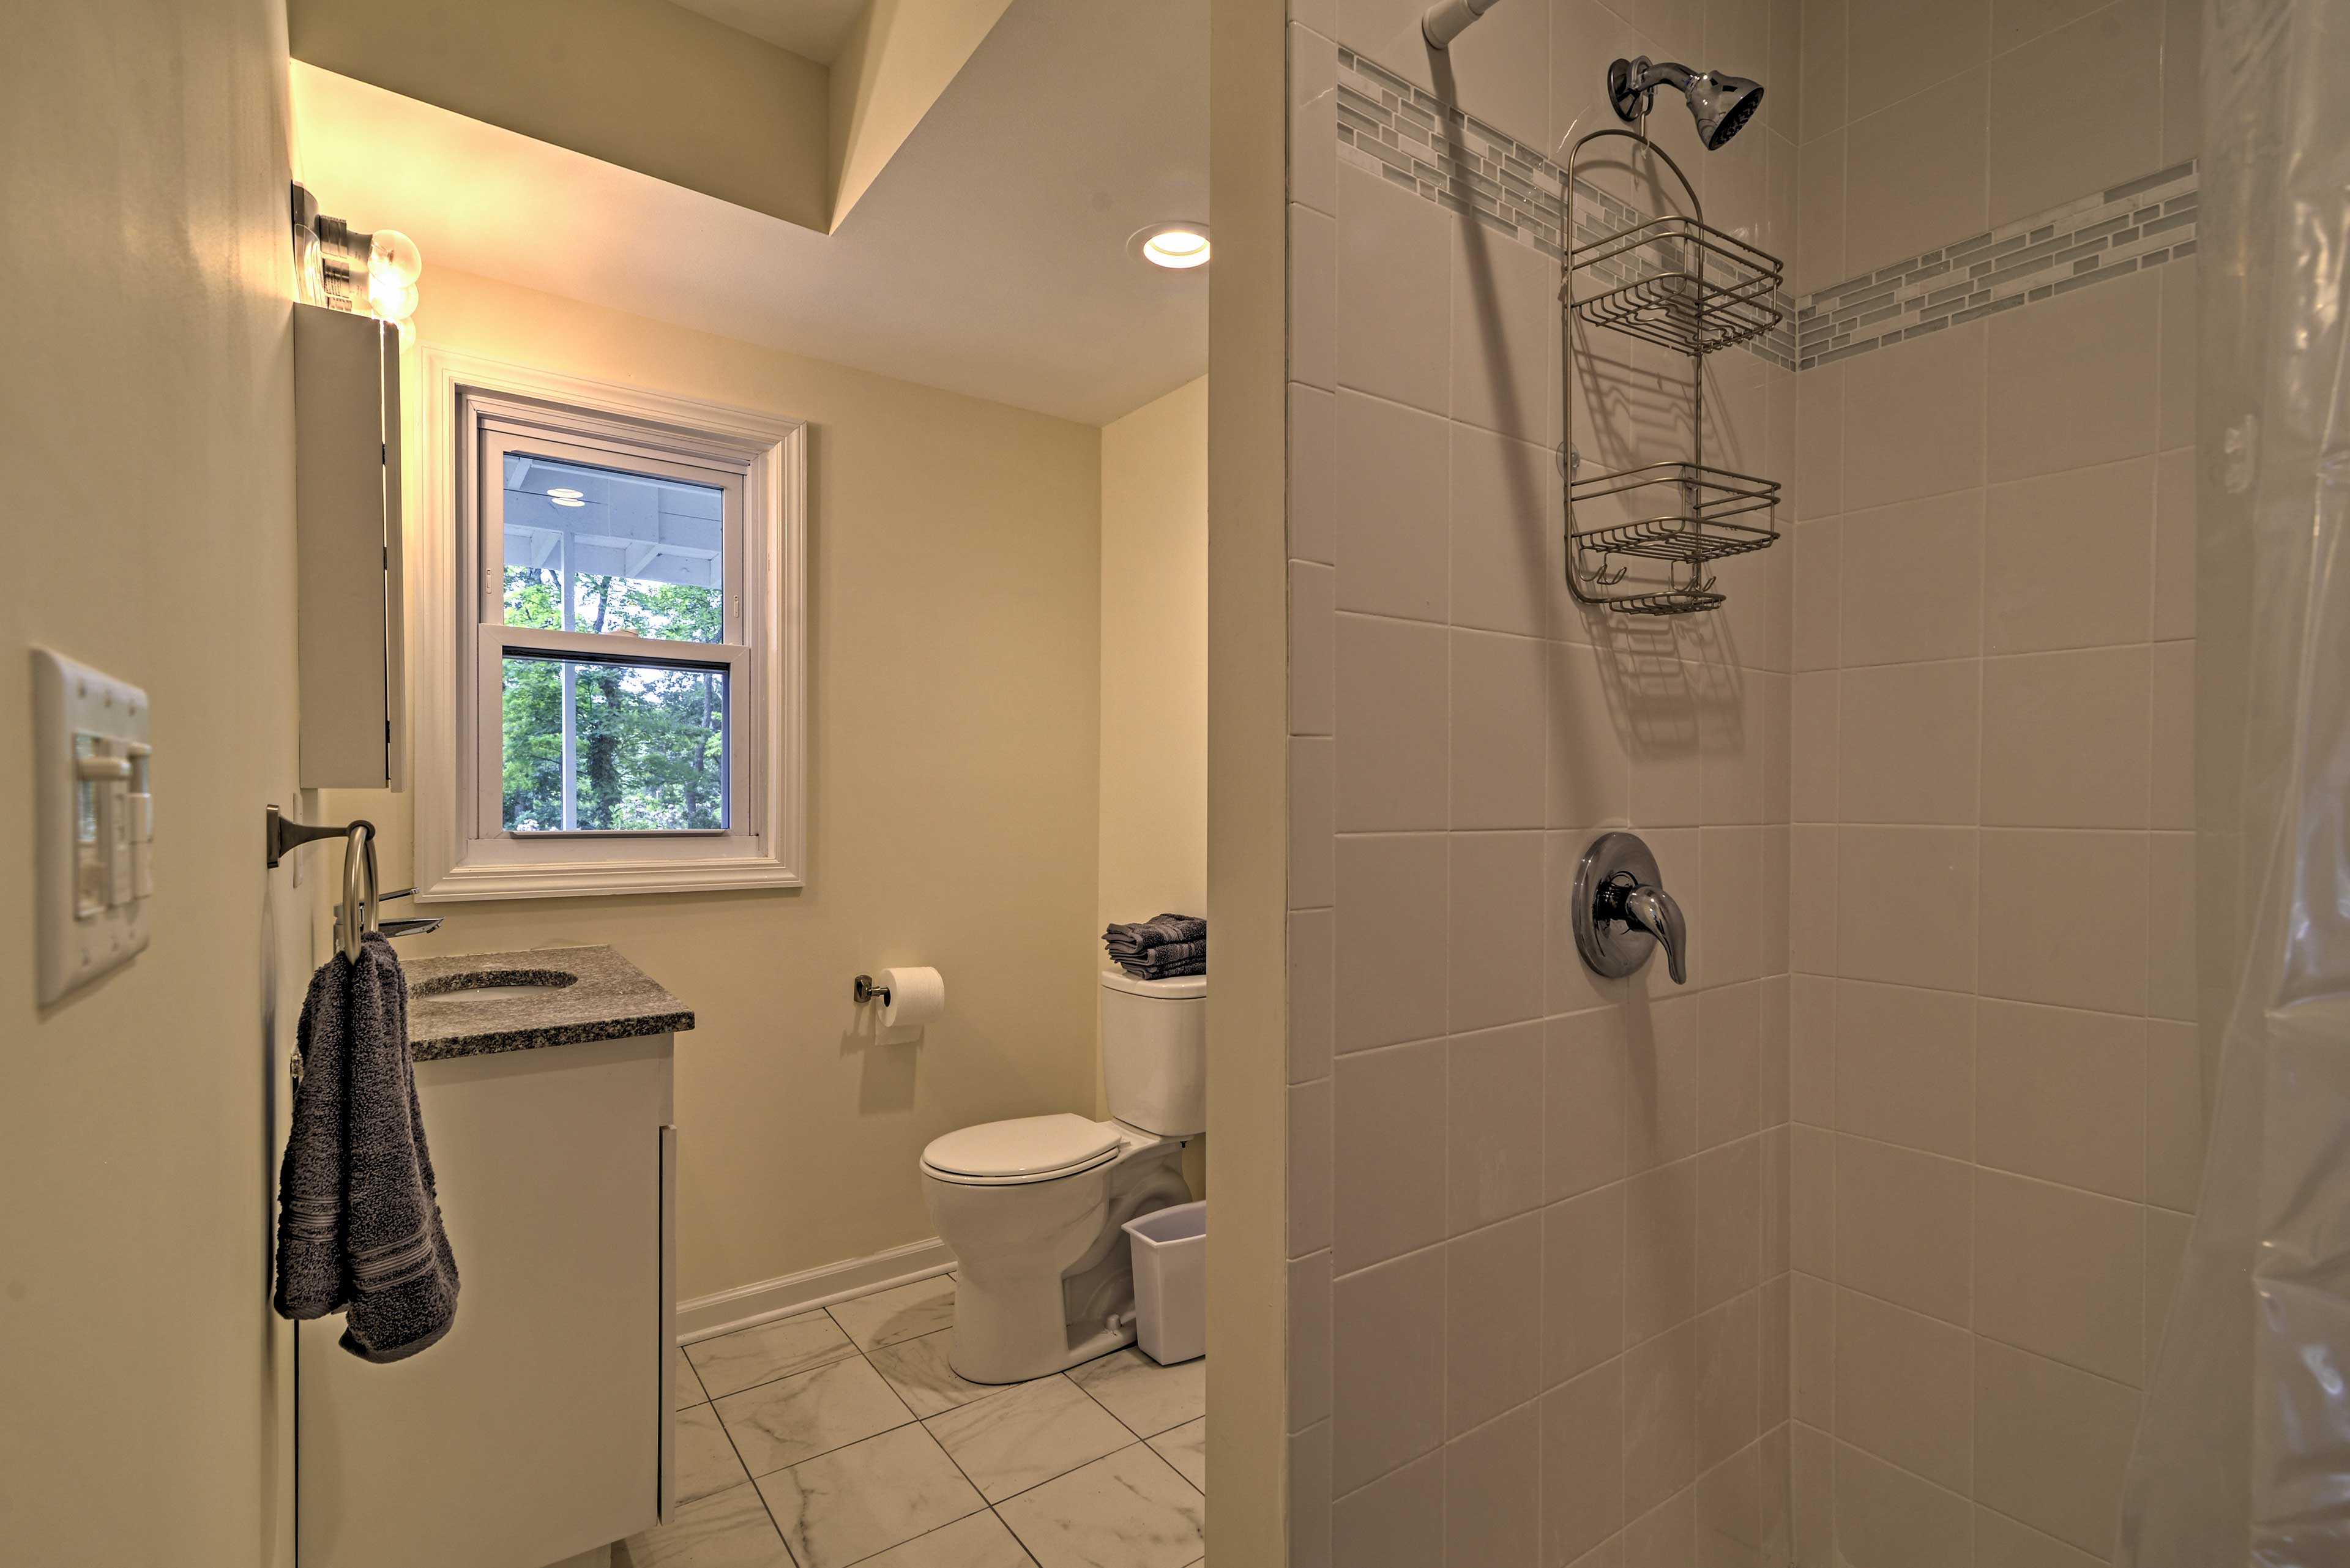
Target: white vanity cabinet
[(538, 1429)]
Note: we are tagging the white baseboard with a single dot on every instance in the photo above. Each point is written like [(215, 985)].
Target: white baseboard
[(745, 1306)]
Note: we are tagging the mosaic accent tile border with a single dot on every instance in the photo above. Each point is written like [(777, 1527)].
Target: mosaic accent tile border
[(1413, 138), (2104, 234)]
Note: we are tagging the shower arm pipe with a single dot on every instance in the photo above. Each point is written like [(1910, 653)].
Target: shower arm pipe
[(1448, 19), (1640, 82)]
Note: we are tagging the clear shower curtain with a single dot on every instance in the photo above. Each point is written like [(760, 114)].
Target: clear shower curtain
[(2244, 1453)]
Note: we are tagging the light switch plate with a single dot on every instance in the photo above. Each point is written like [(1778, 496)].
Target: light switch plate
[(93, 822)]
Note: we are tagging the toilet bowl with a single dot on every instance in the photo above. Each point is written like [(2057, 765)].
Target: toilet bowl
[(1033, 1207)]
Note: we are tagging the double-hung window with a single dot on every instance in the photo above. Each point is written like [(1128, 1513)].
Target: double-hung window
[(622, 707)]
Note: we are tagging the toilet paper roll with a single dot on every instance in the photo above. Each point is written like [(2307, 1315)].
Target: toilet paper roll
[(916, 997)]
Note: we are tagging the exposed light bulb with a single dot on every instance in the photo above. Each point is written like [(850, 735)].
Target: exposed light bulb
[(391, 252), (393, 300)]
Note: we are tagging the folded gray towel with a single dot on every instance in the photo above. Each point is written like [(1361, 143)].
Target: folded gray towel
[(1169, 961), (358, 1219), (1128, 942)]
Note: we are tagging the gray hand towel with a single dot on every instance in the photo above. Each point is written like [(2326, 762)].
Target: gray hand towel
[(358, 1219), (1128, 942), (1169, 962)]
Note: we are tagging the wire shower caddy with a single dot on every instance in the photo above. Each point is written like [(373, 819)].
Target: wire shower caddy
[(1676, 282)]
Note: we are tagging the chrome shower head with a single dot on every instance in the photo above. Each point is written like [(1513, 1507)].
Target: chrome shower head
[(1721, 104)]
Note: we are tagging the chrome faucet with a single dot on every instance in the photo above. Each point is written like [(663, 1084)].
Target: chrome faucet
[(1621, 911)]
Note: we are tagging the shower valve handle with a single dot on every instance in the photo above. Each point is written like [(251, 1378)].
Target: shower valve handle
[(1653, 910), (1622, 912)]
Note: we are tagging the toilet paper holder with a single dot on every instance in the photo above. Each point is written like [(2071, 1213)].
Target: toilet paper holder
[(865, 991)]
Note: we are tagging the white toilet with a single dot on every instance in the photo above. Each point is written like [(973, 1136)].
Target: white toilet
[(1033, 1207)]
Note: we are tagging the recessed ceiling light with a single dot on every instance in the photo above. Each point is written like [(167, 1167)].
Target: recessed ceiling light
[(560, 493), (566, 499), (1177, 246)]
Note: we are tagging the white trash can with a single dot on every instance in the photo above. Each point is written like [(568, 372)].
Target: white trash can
[(1171, 1281)]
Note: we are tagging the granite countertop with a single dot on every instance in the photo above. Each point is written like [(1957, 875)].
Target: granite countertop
[(577, 994)]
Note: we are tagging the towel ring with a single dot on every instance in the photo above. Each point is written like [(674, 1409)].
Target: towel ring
[(358, 918)]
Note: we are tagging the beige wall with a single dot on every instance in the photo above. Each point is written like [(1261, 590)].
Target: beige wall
[(644, 84), (1996, 1085), (953, 756), (897, 57), (1154, 673), (1540, 1283), (146, 425), (1154, 658)]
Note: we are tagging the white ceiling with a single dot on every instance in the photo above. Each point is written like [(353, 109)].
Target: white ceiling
[(989, 258), (811, 28)]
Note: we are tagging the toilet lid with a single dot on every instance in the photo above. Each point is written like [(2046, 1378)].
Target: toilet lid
[(1032, 1148)]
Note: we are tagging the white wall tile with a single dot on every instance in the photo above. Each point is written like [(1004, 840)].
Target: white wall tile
[(1505, 513), (1388, 1154), (1313, 995), (1312, 475), (1498, 736), (2079, 939), (1393, 910), (1494, 1100), (1492, 1482), (1313, 118), (1313, 298), (1502, 364), (1309, 1341), (1394, 313), (1396, 1522), (1496, 944), (1311, 1167), (1313, 653), (1392, 508), (1392, 724), (1390, 1318), (1493, 1317), (1312, 819)]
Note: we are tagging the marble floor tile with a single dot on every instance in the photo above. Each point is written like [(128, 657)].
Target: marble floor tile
[(908, 1312), (1127, 1510), (1148, 1397), (751, 1356), (810, 1413), (685, 1388), (979, 1541), (706, 1462), (1186, 1448), (845, 1506), (917, 1370), (1028, 1433), (730, 1530)]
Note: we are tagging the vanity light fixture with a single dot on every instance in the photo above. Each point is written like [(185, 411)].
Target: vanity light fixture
[(1177, 246), (367, 275)]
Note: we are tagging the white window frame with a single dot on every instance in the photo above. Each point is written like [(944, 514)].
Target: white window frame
[(458, 637)]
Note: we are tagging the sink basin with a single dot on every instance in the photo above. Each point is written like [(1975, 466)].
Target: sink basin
[(497, 984)]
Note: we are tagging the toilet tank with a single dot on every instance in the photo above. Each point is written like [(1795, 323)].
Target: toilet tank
[(1154, 1045)]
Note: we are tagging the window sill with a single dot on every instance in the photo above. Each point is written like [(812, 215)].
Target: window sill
[(585, 878)]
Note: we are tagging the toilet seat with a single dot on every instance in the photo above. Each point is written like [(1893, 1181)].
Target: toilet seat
[(1022, 1150)]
